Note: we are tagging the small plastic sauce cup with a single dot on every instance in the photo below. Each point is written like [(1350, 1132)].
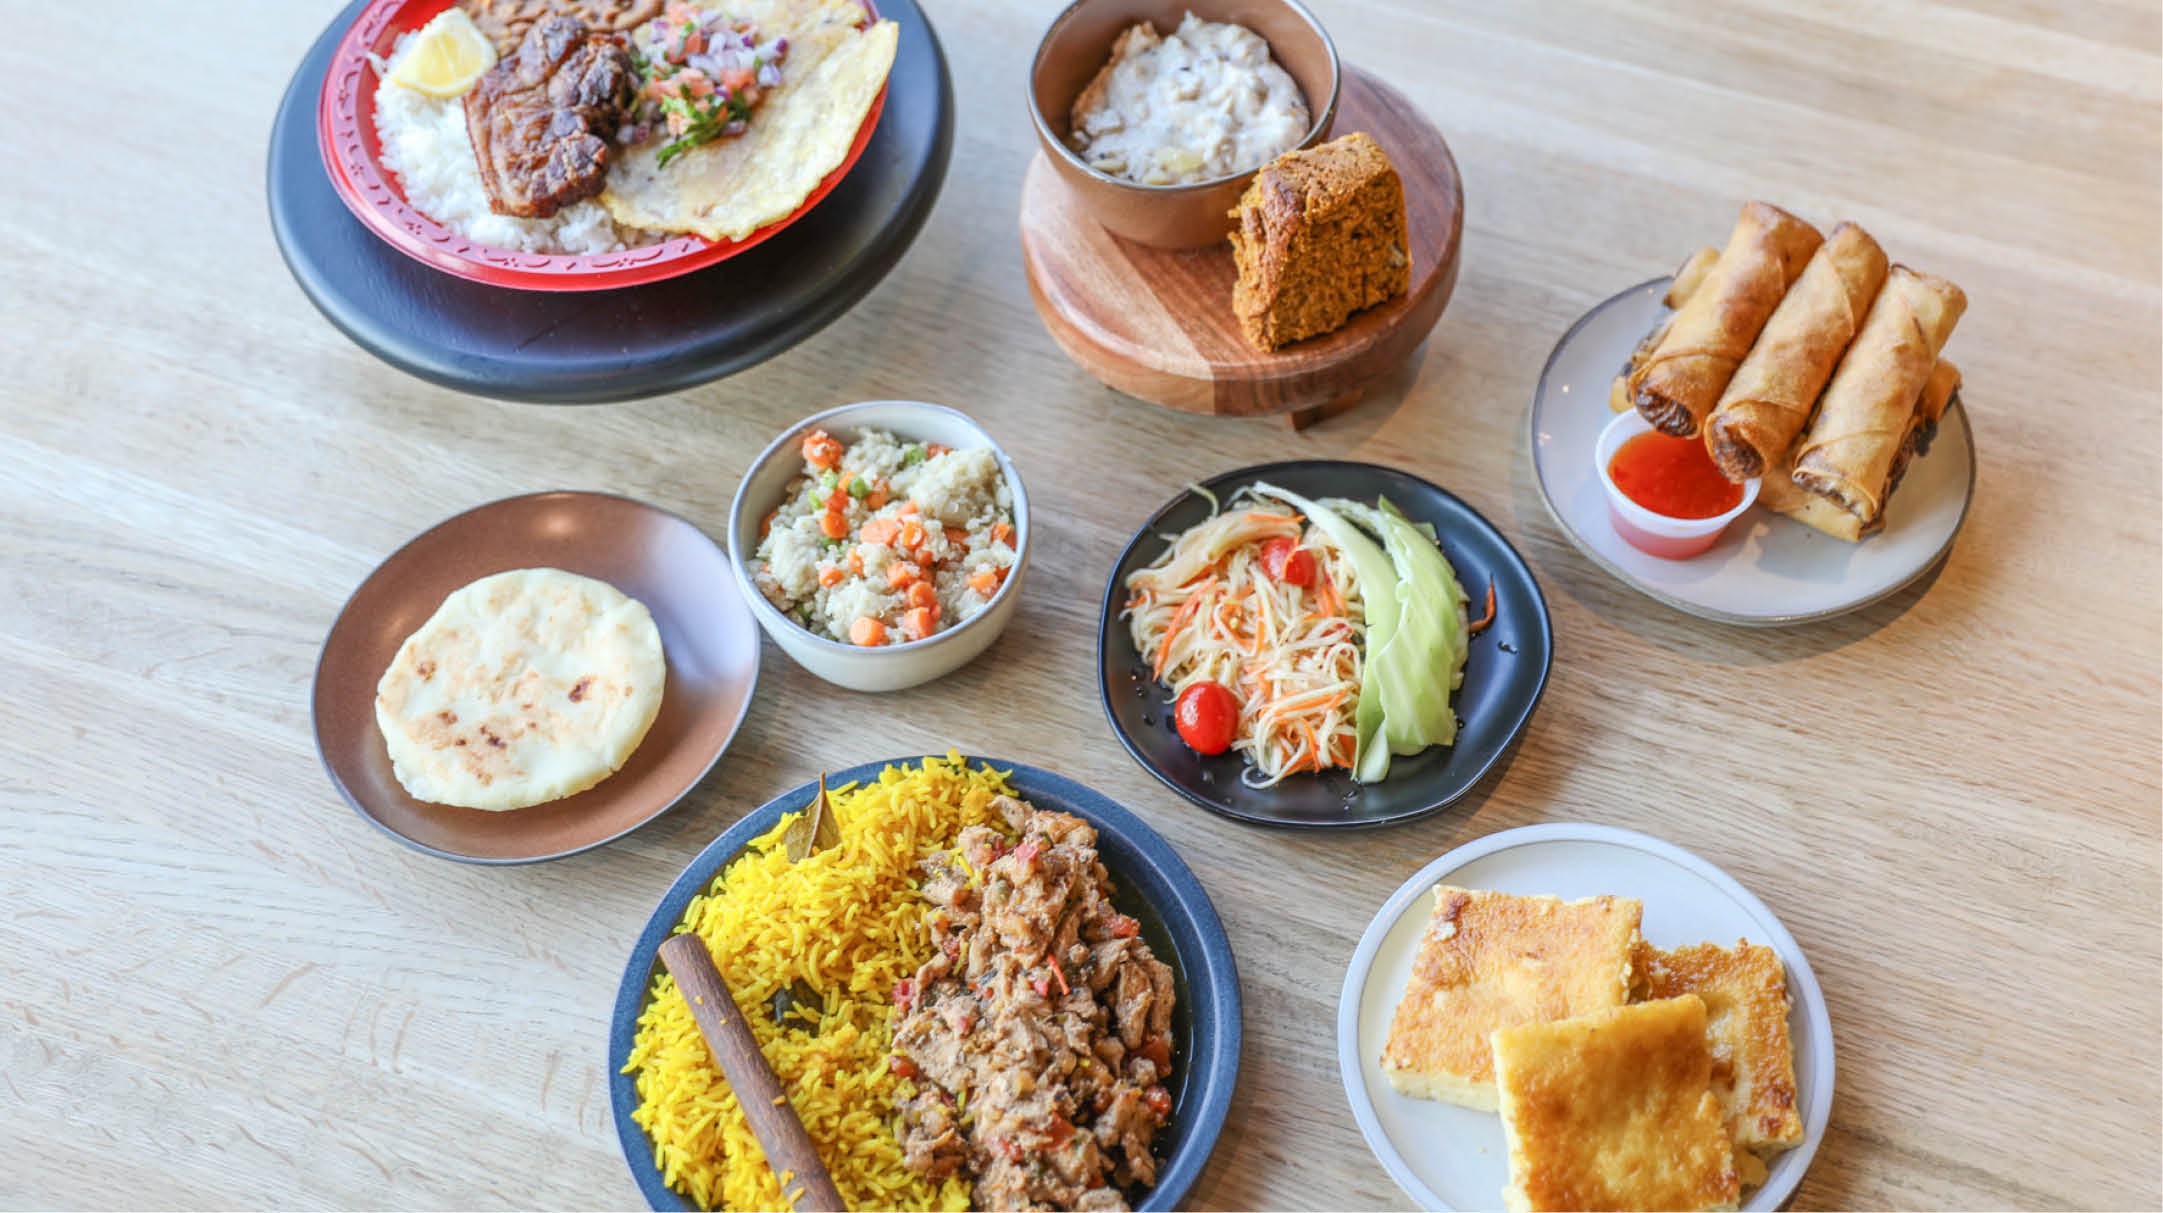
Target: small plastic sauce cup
[(1650, 533)]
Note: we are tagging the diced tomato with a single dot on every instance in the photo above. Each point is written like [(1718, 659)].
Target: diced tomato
[(1284, 560), (904, 992), (921, 594), (1207, 717), (821, 449), (1123, 927), (830, 574), (919, 622), (1042, 986), (1027, 852), (695, 82), (867, 631), (1159, 1050), (1159, 1100), (834, 525), (738, 80), (900, 575), (902, 1066)]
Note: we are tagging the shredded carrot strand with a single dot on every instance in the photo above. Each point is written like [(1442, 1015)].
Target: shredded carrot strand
[(1481, 624)]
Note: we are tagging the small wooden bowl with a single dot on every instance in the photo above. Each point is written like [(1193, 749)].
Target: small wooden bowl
[(1077, 46)]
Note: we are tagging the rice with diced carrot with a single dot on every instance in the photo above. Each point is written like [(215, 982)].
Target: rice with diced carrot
[(883, 541), (848, 922)]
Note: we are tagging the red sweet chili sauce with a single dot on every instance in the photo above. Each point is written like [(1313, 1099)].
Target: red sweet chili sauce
[(1673, 477)]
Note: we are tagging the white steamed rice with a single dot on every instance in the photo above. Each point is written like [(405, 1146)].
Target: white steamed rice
[(961, 498)]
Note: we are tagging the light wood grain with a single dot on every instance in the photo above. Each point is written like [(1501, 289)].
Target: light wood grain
[(1158, 323), (222, 988)]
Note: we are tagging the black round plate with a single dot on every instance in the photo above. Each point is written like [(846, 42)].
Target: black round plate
[(1505, 670), (1150, 882), (585, 347)]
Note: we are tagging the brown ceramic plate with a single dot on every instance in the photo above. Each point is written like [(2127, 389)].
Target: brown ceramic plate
[(708, 639)]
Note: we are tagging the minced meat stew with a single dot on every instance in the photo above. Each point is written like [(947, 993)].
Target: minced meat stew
[(1039, 1033)]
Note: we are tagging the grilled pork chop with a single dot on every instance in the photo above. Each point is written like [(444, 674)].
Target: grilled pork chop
[(535, 118)]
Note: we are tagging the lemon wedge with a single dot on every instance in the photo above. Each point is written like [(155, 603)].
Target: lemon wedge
[(446, 57)]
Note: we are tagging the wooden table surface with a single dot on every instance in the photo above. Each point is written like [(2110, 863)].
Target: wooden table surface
[(222, 988)]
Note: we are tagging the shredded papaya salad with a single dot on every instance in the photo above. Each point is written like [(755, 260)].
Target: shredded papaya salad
[(1255, 624), (1287, 634)]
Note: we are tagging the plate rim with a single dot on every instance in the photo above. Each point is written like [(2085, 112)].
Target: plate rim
[(1106, 616), (1807, 994), (1217, 960), (316, 690), (439, 247), (1531, 433)]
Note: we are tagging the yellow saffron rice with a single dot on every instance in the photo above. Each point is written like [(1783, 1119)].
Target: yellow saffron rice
[(848, 922)]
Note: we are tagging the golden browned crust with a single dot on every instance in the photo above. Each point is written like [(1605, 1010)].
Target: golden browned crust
[(1614, 1110), (1679, 384), (1866, 413), (1779, 492), (1495, 960), (1744, 990), (1321, 236)]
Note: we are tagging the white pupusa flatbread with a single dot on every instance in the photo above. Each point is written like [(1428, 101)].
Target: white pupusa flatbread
[(523, 687)]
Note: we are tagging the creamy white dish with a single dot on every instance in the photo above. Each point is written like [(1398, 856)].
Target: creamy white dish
[(1204, 103)]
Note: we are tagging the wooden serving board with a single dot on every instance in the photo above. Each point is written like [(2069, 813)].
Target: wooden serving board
[(1159, 324)]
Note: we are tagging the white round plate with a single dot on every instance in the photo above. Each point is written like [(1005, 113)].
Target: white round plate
[(1450, 1157), (1767, 570)]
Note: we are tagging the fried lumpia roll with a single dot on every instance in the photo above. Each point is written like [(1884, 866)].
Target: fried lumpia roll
[(1681, 382), (1847, 455), (1679, 290), (1938, 394), (1779, 492), (1691, 276), (1769, 400)]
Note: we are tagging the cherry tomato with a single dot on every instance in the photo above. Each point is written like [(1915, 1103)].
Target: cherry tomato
[(1207, 716), (1284, 560)]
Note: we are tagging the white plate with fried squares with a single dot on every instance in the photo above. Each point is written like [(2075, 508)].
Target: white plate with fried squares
[(1449, 1156)]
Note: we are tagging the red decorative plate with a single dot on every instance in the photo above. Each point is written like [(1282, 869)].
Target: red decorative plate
[(353, 156)]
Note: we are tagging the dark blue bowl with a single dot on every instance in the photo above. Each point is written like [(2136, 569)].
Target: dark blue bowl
[(1149, 882), (1505, 669)]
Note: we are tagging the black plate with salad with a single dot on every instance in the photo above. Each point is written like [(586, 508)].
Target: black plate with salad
[(1320, 644)]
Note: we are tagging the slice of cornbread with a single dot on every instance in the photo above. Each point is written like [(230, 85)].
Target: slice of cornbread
[(1744, 989), (1614, 1110), (1496, 960), (1321, 234)]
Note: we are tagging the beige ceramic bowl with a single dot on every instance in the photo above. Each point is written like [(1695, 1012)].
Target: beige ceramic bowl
[(1079, 43), (888, 667)]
